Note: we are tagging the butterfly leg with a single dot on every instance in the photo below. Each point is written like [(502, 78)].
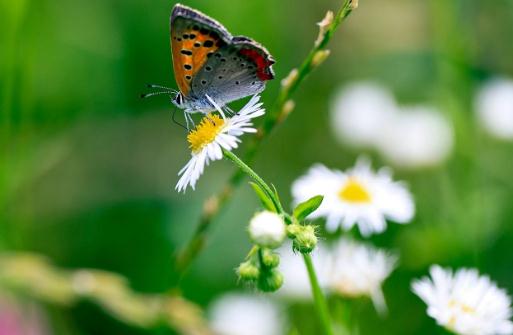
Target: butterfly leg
[(189, 121), (176, 121), (230, 111)]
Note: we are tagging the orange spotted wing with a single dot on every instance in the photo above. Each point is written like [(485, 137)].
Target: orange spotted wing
[(207, 59)]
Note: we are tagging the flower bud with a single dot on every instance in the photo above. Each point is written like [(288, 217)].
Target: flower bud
[(288, 107), (270, 281), (320, 56), (270, 259), (305, 240), (267, 229), (248, 271), (324, 25), (287, 82), (293, 230)]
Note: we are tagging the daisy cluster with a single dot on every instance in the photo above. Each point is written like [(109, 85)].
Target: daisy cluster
[(359, 199), (366, 115), (464, 302)]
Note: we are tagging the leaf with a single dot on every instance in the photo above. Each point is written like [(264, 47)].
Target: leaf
[(306, 208), (264, 199)]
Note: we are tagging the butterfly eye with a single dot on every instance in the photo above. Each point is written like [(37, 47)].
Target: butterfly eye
[(179, 99)]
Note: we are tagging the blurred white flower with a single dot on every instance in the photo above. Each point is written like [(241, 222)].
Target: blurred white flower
[(240, 314), (348, 268), (465, 302), (296, 284), (267, 229), (359, 196), (416, 137), (365, 114), (212, 135), (359, 112), (494, 107), (360, 270)]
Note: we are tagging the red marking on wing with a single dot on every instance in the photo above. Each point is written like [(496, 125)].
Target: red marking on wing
[(262, 64)]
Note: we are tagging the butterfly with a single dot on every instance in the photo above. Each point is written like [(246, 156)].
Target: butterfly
[(211, 66)]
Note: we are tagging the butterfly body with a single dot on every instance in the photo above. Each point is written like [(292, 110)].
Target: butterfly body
[(212, 65)]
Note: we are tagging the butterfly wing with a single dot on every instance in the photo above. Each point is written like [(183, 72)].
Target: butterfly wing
[(194, 38), (208, 60), (235, 70)]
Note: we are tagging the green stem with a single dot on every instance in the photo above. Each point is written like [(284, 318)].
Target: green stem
[(247, 170), (186, 256), (305, 69), (320, 301)]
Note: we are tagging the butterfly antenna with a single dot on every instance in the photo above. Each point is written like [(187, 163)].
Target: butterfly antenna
[(151, 94), (167, 91), (161, 87), (163, 90)]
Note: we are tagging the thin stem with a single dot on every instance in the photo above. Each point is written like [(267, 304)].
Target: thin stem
[(304, 70), (319, 300), (272, 119), (247, 170)]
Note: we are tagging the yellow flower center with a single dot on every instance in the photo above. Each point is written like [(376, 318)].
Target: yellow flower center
[(205, 132), (458, 307), (354, 191), (461, 306)]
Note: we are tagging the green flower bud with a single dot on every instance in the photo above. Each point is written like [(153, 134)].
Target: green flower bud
[(248, 271), (270, 259), (270, 280), (305, 240), (293, 230), (267, 229)]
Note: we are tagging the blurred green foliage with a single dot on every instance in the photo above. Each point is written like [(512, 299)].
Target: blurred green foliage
[(87, 169)]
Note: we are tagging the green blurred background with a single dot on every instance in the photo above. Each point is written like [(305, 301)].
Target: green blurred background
[(87, 168)]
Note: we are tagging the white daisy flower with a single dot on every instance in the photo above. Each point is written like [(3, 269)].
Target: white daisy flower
[(465, 302), (360, 270), (213, 134), (359, 112), (359, 196), (416, 137), (241, 314), (494, 107)]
